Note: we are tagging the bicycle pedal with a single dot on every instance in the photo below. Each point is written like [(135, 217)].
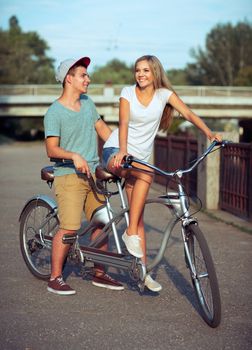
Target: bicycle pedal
[(87, 271), (141, 286), (69, 239), (126, 253), (34, 245)]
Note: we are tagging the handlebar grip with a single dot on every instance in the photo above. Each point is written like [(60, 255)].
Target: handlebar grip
[(226, 142), (217, 143), (128, 159), (222, 143), (61, 160)]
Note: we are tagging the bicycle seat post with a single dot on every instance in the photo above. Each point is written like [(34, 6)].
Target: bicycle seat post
[(110, 215), (123, 204)]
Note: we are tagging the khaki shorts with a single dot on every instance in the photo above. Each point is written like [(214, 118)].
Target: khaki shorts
[(74, 195)]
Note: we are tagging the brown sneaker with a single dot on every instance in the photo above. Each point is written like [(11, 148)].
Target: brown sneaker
[(105, 281), (58, 286)]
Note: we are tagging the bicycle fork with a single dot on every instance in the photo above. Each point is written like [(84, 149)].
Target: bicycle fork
[(189, 262)]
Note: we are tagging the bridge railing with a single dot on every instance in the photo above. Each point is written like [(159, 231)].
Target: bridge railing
[(236, 179), (235, 173), (99, 89), (176, 152)]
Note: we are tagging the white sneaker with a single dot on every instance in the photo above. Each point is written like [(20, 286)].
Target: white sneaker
[(152, 285), (133, 244)]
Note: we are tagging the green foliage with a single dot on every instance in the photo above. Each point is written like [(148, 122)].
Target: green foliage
[(177, 76), (228, 52), (117, 72), (114, 72), (244, 77), (174, 128), (23, 57)]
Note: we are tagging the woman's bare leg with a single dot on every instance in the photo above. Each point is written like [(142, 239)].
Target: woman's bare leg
[(137, 188), (141, 184), (151, 284), (140, 228)]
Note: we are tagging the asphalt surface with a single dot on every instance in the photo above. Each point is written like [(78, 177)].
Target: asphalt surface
[(95, 318)]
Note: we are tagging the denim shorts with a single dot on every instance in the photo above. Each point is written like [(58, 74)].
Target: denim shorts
[(107, 154)]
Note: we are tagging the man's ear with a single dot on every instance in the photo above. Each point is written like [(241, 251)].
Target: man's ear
[(68, 78)]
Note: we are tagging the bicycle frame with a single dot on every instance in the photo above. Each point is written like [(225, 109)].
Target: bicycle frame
[(106, 216)]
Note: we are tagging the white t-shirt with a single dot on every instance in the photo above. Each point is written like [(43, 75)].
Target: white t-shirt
[(143, 122)]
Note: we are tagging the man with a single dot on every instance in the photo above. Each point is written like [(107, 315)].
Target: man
[(71, 123)]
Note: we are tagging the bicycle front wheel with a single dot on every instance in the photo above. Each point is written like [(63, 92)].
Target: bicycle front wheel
[(203, 275), (38, 225)]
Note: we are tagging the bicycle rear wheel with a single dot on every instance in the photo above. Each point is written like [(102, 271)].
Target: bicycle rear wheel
[(38, 225), (203, 275)]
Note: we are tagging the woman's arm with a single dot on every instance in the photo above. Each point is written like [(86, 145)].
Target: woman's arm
[(182, 108), (124, 109)]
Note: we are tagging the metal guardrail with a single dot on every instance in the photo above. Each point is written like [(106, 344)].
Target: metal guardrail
[(206, 101), (236, 179), (98, 89), (235, 171), (176, 152)]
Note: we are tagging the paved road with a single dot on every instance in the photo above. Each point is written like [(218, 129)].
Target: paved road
[(32, 319)]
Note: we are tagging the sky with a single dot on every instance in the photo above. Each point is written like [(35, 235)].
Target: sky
[(128, 29)]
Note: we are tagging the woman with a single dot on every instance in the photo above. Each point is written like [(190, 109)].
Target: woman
[(144, 108)]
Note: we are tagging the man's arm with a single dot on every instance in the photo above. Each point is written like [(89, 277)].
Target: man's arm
[(55, 151), (102, 129)]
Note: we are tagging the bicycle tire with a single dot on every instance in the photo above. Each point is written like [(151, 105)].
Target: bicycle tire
[(205, 281), (37, 254)]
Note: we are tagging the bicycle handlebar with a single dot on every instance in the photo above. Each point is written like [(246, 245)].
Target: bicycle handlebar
[(179, 172), (128, 160), (61, 160)]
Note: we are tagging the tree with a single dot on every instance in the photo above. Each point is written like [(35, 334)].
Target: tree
[(23, 57), (114, 72), (177, 76), (228, 52), (244, 77)]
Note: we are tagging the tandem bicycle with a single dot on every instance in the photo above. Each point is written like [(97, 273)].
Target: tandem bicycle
[(39, 222)]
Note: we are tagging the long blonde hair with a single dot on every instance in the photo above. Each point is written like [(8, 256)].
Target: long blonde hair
[(160, 81)]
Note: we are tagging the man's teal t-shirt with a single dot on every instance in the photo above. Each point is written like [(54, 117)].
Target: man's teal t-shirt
[(76, 131)]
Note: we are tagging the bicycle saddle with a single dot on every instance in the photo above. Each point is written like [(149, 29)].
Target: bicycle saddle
[(102, 174), (47, 174)]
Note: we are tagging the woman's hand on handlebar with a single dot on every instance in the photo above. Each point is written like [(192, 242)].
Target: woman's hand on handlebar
[(118, 159), (81, 164), (215, 137)]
